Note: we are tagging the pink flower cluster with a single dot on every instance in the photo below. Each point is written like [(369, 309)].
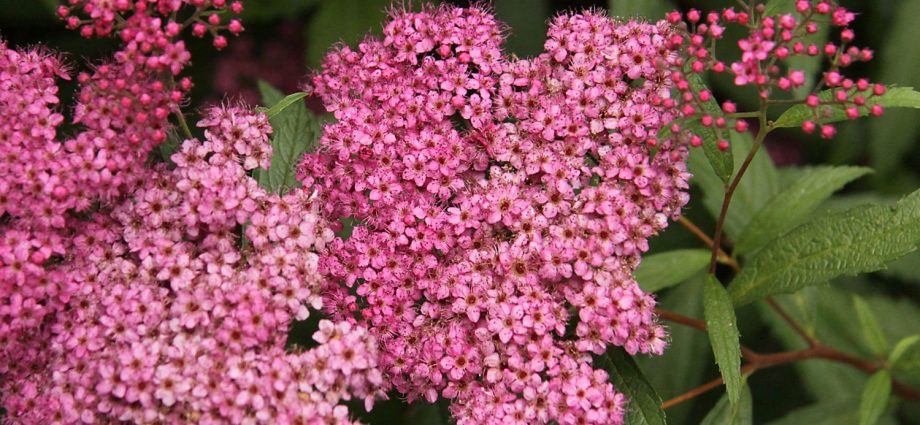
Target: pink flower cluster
[(43, 181), (150, 29), (173, 322), (122, 109), (502, 205), (764, 62)]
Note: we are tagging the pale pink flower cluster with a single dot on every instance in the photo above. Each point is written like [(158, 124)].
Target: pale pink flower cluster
[(174, 323), (502, 205)]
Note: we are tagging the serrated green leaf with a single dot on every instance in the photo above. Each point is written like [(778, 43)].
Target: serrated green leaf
[(893, 134), (342, 20), (875, 397), (832, 412), (721, 162), (295, 130), (645, 404), (859, 240), (649, 9), (722, 328), (282, 104), (792, 206), (894, 97), (726, 413), (761, 183), (875, 338), (666, 269)]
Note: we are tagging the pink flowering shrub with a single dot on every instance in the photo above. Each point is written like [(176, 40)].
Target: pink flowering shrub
[(146, 294), (122, 109), (501, 209), (504, 205), (175, 323)]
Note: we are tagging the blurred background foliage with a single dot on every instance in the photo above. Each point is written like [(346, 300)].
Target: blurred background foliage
[(285, 38)]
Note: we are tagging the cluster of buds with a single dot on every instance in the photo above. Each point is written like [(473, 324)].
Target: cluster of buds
[(764, 63)]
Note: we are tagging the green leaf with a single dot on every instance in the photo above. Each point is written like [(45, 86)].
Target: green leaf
[(722, 328), (721, 162), (776, 7), (342, 20), (875, 338), (832, 412), (893, 134), (900, 348), (726, 413), (659, 271), (295, 130), (875, 397), (679, 368), (792, 206), (650, 9), (859, 240), (894, 97), (628, 379), (282, 104), (761, 183), (904, 360)]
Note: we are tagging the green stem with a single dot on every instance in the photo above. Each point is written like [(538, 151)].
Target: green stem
[(184, 125), (730, 188)]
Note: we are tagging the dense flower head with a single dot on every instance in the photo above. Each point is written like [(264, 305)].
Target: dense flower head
[(766, 62), (173, 322), (46, 179), (502, 206)]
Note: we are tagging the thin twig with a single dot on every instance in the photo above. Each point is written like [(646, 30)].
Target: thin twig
[(812, 342), (730, 188), (184, 125), (756, 361), (696, 392), (724, 258)]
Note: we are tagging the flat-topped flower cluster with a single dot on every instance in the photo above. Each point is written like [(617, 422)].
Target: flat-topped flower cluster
[(503, 204)]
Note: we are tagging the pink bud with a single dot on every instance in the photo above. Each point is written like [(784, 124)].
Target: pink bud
[(741, 126), (722, 145), (220, 41), (808, 127)]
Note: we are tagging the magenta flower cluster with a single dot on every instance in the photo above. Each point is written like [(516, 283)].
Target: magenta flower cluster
[(150, 29), (502, 206), (765, 64), (173, 322)]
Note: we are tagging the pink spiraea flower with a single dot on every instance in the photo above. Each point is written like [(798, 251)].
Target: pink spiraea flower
[(514, 197)]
